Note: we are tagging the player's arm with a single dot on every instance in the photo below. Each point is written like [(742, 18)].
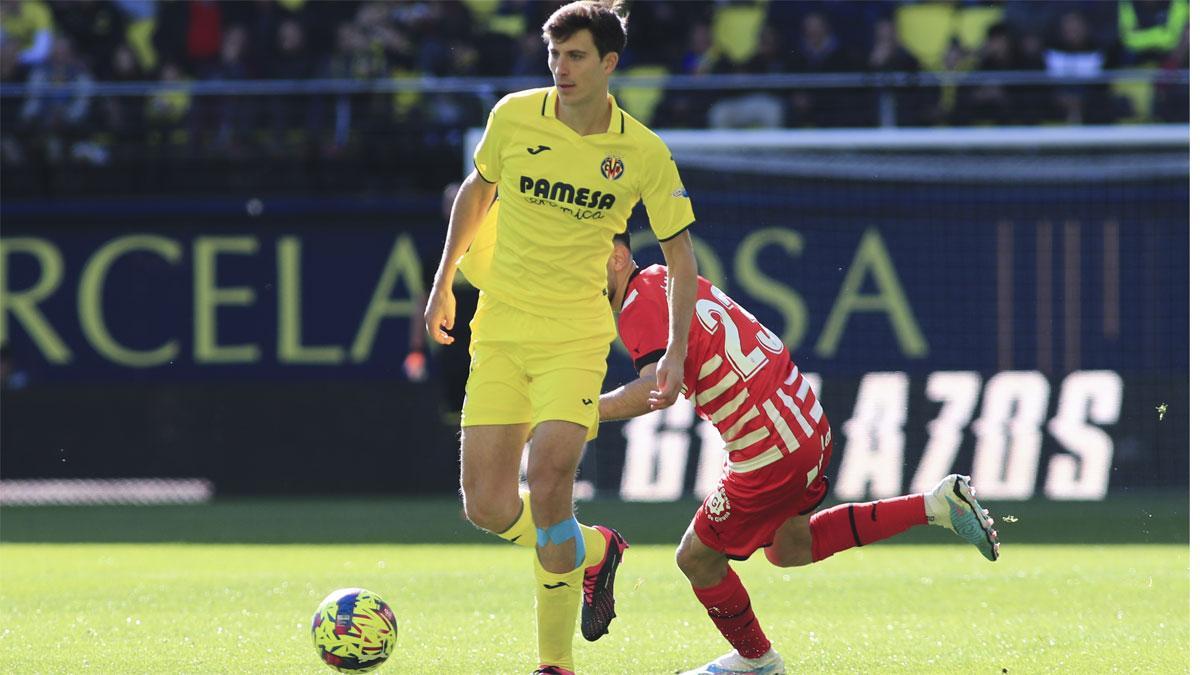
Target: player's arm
[(470, 206), (681, 297), (630, 399)]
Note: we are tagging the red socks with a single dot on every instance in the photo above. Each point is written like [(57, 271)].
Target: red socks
[(729, 608), (848, 525), (833, 530)]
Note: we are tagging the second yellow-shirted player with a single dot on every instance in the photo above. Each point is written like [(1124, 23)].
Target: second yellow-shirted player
[(568, 166)]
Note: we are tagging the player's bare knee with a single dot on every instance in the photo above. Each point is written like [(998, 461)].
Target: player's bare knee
[(550, 483), (489, 512), (703, 571), (551, 498)]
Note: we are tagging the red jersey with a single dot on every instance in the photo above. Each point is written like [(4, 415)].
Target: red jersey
[(737, 373)]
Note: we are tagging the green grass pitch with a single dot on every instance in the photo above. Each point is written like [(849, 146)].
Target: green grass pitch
[(207, 607)]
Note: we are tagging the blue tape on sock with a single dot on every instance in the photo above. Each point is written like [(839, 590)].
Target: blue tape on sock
[(559, 533)]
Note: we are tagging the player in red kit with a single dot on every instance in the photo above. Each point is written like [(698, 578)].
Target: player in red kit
[(740, 377)]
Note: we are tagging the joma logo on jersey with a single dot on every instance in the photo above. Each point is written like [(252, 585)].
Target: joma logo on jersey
[(565, 193)]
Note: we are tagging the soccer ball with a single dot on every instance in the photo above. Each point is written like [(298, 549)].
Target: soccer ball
[(354, 630)]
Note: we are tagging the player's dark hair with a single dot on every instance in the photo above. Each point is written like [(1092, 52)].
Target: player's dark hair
[(605, 19), (623, 237)]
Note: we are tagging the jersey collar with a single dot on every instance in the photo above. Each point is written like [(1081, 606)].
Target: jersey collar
[(616, 122)]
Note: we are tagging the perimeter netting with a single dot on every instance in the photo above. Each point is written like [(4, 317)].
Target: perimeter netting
[(1049, 263)]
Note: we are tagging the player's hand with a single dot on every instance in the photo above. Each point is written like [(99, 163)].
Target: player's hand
[(439, 316), (669, 374)]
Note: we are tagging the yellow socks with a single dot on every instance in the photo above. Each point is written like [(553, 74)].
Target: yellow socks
[(594, 543), (558, 595), (558, 598), (522, 532)]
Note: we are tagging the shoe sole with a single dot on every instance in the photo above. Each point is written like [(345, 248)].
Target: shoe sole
[(606, 580), (988, 547), (698, 671)]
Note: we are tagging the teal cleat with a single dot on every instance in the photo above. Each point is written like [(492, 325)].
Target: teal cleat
[(734, 663), (952, 505)]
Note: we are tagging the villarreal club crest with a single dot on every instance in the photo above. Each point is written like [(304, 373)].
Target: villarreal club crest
[(612, 167)]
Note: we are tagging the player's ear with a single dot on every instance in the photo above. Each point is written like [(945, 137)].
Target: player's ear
[(620, 256), (609, 61)]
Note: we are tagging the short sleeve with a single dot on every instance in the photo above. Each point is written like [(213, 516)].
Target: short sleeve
[(667, 201), (487, 153), (643, 329)]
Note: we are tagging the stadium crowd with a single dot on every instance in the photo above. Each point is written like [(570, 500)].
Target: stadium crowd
[(82, 42)]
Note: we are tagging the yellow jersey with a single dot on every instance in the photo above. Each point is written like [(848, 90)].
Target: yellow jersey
[(544, 245)]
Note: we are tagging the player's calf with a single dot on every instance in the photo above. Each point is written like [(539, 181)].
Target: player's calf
[(850, 525)]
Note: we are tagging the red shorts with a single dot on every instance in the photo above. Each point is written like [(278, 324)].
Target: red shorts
[(742, 514)]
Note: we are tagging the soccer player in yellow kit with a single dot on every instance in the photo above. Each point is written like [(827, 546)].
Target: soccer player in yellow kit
[(568, 166)]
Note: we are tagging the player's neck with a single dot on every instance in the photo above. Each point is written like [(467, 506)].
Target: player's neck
[(586, 117)]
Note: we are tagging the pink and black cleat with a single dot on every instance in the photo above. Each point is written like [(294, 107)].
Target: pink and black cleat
[(599, 606)]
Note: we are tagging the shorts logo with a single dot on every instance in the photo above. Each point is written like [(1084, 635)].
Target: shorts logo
[(612, 167), (717, 505)]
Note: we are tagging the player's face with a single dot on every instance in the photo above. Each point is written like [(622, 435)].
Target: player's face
[(620, 264), (580, 75)]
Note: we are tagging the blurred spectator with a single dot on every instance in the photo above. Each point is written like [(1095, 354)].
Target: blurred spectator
[(655, 36), (11, 150), (1073, 53), (295, 119), (204, 38), (688, 109), (98, 25), (59, 121), (177, 40), (912, 105), (170, 106), (290, 59), (30, 25), (262, 20), (999, 103), (820, 51), (387, 34), (530, 56), (140, 17), (1171, 100), (443, 37), (699, 57), (887, 54), (124, 116), (222, 123), (352, 60), (1151, 29), (754, 108), (956, 57)]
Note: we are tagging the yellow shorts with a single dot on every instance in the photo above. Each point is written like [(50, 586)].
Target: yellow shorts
[(529, 369)]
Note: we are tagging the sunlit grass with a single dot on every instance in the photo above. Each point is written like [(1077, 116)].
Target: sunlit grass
[(192, 608)]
